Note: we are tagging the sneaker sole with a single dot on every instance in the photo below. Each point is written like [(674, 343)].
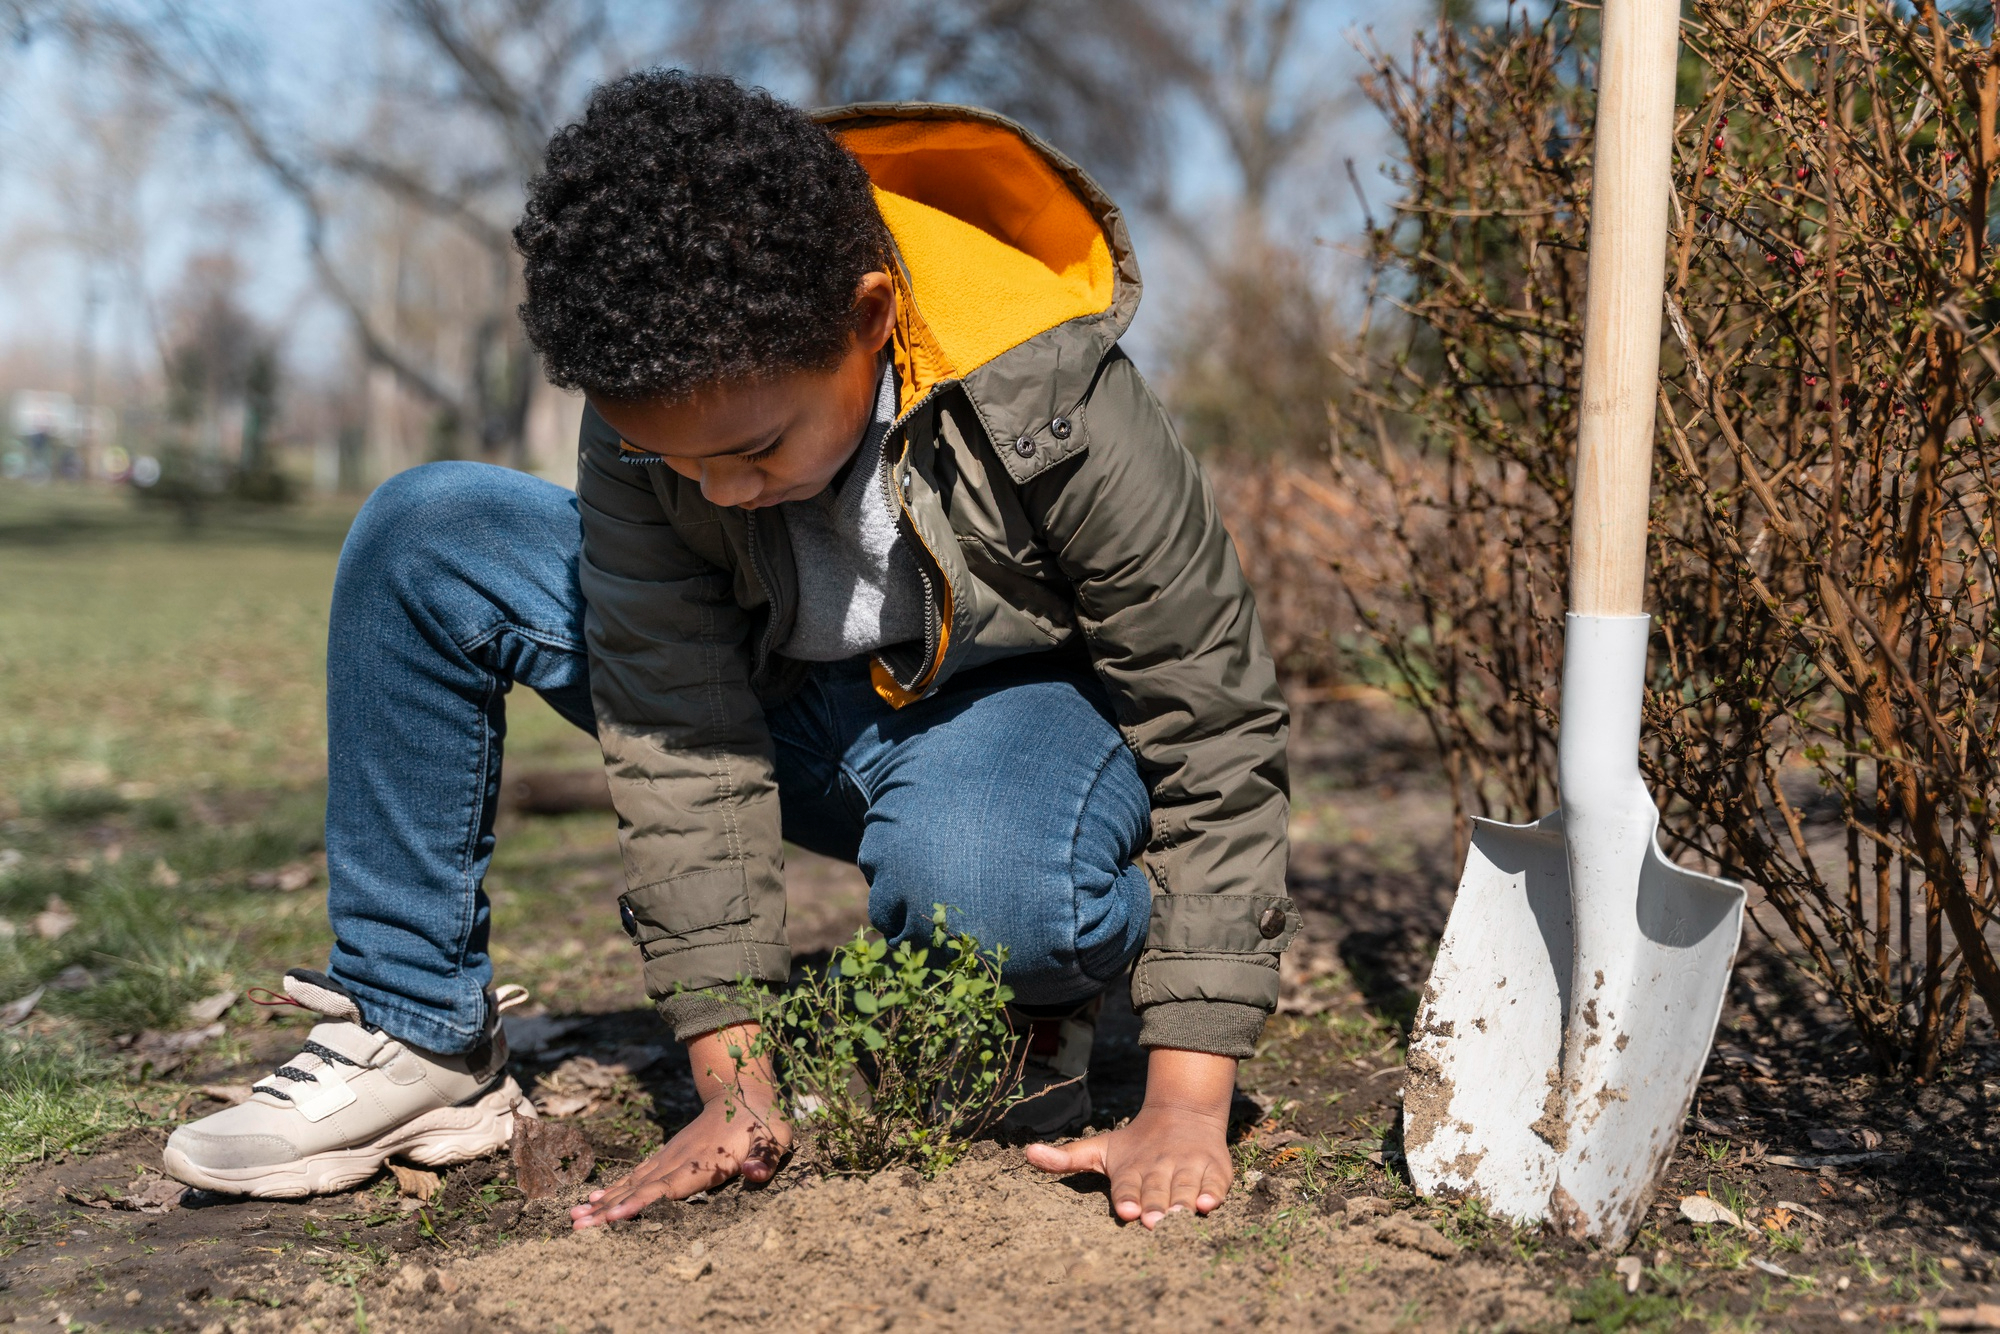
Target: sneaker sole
[(435, 1139)]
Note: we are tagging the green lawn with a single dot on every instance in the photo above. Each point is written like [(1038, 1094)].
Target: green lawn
[(162, 743), (134, 650)]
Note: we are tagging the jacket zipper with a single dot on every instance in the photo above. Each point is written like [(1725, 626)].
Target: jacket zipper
[(935, 642), (770, 588)]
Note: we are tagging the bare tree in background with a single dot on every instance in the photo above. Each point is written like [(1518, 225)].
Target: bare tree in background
[(465, 99), (1092, 76), (408, 208)]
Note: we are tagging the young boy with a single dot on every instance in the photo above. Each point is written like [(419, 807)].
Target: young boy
[(879, 544)]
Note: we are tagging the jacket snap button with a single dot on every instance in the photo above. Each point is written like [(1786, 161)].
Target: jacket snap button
[(1060, 428), (627, 920), (1271, 923), (1025, 447)]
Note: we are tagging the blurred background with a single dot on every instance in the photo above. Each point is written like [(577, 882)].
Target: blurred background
[(262, 251), (255, 258)]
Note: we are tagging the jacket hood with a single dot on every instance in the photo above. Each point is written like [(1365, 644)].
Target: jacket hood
[(1007, 250)]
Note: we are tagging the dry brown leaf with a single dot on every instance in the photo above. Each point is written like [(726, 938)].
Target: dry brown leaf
[(229, 1093), (1701, 1209), (14, 1011), (415, 1183), (169, 1051), (286, 879), (54, 921), (211, 1008), (152, 1194), (563, 1105), (548, 1158), (148, 1193), (581, 1084)]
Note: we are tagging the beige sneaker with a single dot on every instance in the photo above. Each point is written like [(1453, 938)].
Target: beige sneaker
[(1056, 1097), (328, 1118)]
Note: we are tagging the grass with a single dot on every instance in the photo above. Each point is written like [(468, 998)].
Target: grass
[(1604, 1305), (56, 1096), (162, 739)]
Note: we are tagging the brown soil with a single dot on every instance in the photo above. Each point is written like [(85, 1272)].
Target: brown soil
[(1327, 1237)]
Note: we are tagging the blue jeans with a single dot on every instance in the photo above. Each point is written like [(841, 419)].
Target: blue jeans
[(1008, 795)]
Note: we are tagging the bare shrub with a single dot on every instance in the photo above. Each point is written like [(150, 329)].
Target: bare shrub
[(1822, 700)]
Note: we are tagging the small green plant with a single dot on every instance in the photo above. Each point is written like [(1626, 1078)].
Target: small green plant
[(1605, 1305), (1468, 1223), (889, 1058)]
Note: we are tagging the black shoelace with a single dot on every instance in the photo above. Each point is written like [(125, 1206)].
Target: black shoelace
[(298, 1076)]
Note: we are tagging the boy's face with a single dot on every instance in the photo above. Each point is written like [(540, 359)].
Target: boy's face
[(763, 442)]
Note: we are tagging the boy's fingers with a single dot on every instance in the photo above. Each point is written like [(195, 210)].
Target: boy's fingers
[(762, 1162), (1214, 1186), (1155, 1195), (1125, 1197), (1086, 1155), (1186, 1189), (652, 1180), (681, 1180)]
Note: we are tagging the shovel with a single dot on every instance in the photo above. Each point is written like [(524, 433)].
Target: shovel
[(1581, 975)]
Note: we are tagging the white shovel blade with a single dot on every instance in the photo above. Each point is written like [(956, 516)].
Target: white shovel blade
[(1637, 1046), (1486, 1053), (1485, 1110), (1578, 984)]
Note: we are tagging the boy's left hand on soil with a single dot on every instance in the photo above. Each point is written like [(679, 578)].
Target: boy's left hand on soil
[(1174, 1155), (737, 1133)]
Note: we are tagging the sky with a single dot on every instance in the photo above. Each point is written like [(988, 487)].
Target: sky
[(198, 194), (195, 194)]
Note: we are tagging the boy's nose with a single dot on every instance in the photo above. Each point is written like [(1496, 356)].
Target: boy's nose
[(729, 483)]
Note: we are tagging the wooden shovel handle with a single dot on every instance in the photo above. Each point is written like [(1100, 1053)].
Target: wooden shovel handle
[(1621, 332)]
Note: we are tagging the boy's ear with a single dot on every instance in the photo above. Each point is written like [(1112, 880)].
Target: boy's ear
[(874, 310)]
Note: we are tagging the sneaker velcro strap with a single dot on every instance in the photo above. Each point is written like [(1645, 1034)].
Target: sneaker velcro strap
[(321, 1094)]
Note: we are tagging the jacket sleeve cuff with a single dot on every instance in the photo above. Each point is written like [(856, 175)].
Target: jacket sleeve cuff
[(693, 1013), (1221, 1028)]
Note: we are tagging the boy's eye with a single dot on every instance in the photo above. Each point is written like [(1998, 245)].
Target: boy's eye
[(763, 453)]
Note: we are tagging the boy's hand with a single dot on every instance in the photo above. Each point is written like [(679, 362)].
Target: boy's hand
[(738, 1131), (1175, 1153)]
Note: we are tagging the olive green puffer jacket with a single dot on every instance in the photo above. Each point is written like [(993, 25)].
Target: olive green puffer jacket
[(1049, 502)]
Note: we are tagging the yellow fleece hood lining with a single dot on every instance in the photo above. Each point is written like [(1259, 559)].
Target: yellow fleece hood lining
[(995, 245)]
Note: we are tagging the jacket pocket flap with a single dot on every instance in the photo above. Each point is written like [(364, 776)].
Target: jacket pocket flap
[(1222, 923), (685, 904)]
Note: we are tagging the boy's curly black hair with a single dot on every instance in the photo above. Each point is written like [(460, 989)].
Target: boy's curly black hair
[(688, 231)]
